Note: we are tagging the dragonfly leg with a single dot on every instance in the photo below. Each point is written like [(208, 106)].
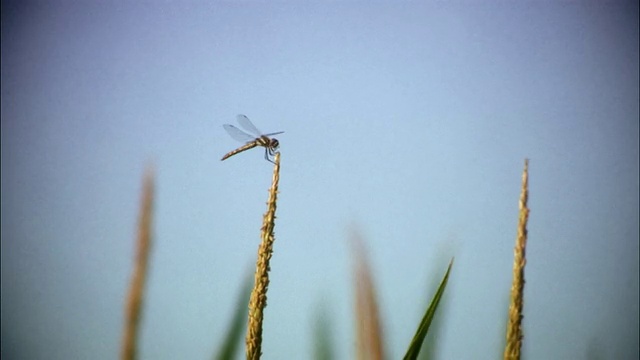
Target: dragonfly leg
[(268, 152)]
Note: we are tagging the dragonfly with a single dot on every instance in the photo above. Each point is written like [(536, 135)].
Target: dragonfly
[(258, 139)]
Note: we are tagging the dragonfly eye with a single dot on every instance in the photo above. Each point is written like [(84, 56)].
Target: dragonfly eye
[(275, 143)]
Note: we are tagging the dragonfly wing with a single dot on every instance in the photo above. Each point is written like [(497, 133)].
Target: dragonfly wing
[(275, 133), (248, 125), (237, 133)]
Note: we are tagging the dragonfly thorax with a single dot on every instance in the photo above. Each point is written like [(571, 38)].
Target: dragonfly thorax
[(268, 142)]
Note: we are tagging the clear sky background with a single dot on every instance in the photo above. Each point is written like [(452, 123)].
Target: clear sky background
[(410, 122)]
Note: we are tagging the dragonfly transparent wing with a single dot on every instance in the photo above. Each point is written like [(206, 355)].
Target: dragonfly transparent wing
[(237, 133), (248, 125)]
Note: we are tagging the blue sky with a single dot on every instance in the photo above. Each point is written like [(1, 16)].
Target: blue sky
[(408, 121)]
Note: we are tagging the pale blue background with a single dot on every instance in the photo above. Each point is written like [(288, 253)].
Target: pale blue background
[(408, 121)]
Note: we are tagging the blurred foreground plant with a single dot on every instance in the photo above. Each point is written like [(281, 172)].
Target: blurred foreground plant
[(139, 276), (368, 325), (229, 347)]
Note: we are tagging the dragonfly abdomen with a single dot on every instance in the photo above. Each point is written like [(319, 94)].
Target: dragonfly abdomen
[(251, 145)]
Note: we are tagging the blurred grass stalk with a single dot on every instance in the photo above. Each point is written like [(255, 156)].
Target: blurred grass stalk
[(258, 300), (136, 288), (514, 327), (368, 325)]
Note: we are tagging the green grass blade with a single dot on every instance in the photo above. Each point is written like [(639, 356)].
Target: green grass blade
[(418, 338), (231, 343), (323, 348)]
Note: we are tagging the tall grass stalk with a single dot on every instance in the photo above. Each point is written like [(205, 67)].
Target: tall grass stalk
[(258, 300), (514, 327), (138, 279)]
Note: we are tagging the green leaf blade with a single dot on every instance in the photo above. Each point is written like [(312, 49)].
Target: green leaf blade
[(423, 328)]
